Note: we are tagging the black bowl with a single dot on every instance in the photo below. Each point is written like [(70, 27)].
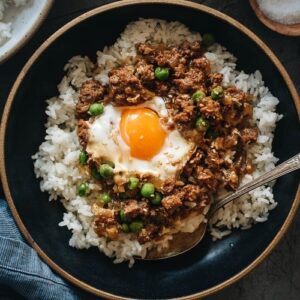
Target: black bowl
[(210, 266)]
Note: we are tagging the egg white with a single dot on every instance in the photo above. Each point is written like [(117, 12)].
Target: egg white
[(105, 142)]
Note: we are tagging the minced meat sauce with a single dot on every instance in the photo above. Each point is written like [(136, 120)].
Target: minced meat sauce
[(217, 119)]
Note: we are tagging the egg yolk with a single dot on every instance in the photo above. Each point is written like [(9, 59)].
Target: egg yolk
[(142, 132)]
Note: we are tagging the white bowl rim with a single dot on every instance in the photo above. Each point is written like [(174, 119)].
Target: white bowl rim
[(22, 41)]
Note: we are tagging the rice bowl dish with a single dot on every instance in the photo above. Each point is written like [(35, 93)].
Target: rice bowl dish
[(57, 159)]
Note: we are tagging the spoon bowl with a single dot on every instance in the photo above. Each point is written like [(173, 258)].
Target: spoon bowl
[(183, 242)]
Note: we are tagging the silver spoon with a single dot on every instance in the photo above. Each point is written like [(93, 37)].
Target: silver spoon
[(183, 242)]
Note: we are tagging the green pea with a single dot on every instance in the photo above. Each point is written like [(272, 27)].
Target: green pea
[(198, 96), (156, 199), (147, 190), (96, 109), (83, 157), (133, 183), (95, 173), (108, 162), (161, 73), (105, 198), (106, 171), (125, 227), (136, 226), (217, 93), (208, 39), (83, 189), (122, 215), (202, 124)]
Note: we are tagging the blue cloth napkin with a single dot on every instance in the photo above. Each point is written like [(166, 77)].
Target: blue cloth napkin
[(22, 270)]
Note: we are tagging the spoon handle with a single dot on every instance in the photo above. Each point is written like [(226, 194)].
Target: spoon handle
[(288, 166)]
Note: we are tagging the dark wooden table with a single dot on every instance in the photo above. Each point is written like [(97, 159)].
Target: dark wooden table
[(278, 277)]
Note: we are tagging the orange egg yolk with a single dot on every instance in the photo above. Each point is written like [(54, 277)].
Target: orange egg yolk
[(142, 132)]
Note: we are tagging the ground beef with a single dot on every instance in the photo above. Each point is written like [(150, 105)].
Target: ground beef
[(91, 91), (192, 192), (231, 178), (147, 51), (249, 135), (159, 216), (210, 109), (183, 110), (247, 110), (168, 186), (215, 79), (170, 203), (234, 96), (201, 63), (206, 178), (144, 71), (187, 76), (230, 141), (126, 89), (83, 132), (162, 56), (134, 209), (180, 70), (192, 80), (193, 162), (213, 159), (105, 223), (170, 58), (190, 50), (220, 156), (148, 233)]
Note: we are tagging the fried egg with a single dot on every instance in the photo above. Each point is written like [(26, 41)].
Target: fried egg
[(138, 142)]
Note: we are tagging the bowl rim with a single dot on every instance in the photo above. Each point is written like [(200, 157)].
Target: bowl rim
[(31, 30), (61, 31)]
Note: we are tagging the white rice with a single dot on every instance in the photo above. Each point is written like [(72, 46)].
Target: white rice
[(6, 27), (56, 160)]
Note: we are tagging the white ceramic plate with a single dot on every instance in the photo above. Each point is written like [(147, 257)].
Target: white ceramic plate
[(25, 21)]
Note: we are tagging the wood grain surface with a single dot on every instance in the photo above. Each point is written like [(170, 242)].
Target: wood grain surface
[(278, 277)]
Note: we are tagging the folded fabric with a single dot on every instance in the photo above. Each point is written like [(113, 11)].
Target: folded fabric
[(22, 270)]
